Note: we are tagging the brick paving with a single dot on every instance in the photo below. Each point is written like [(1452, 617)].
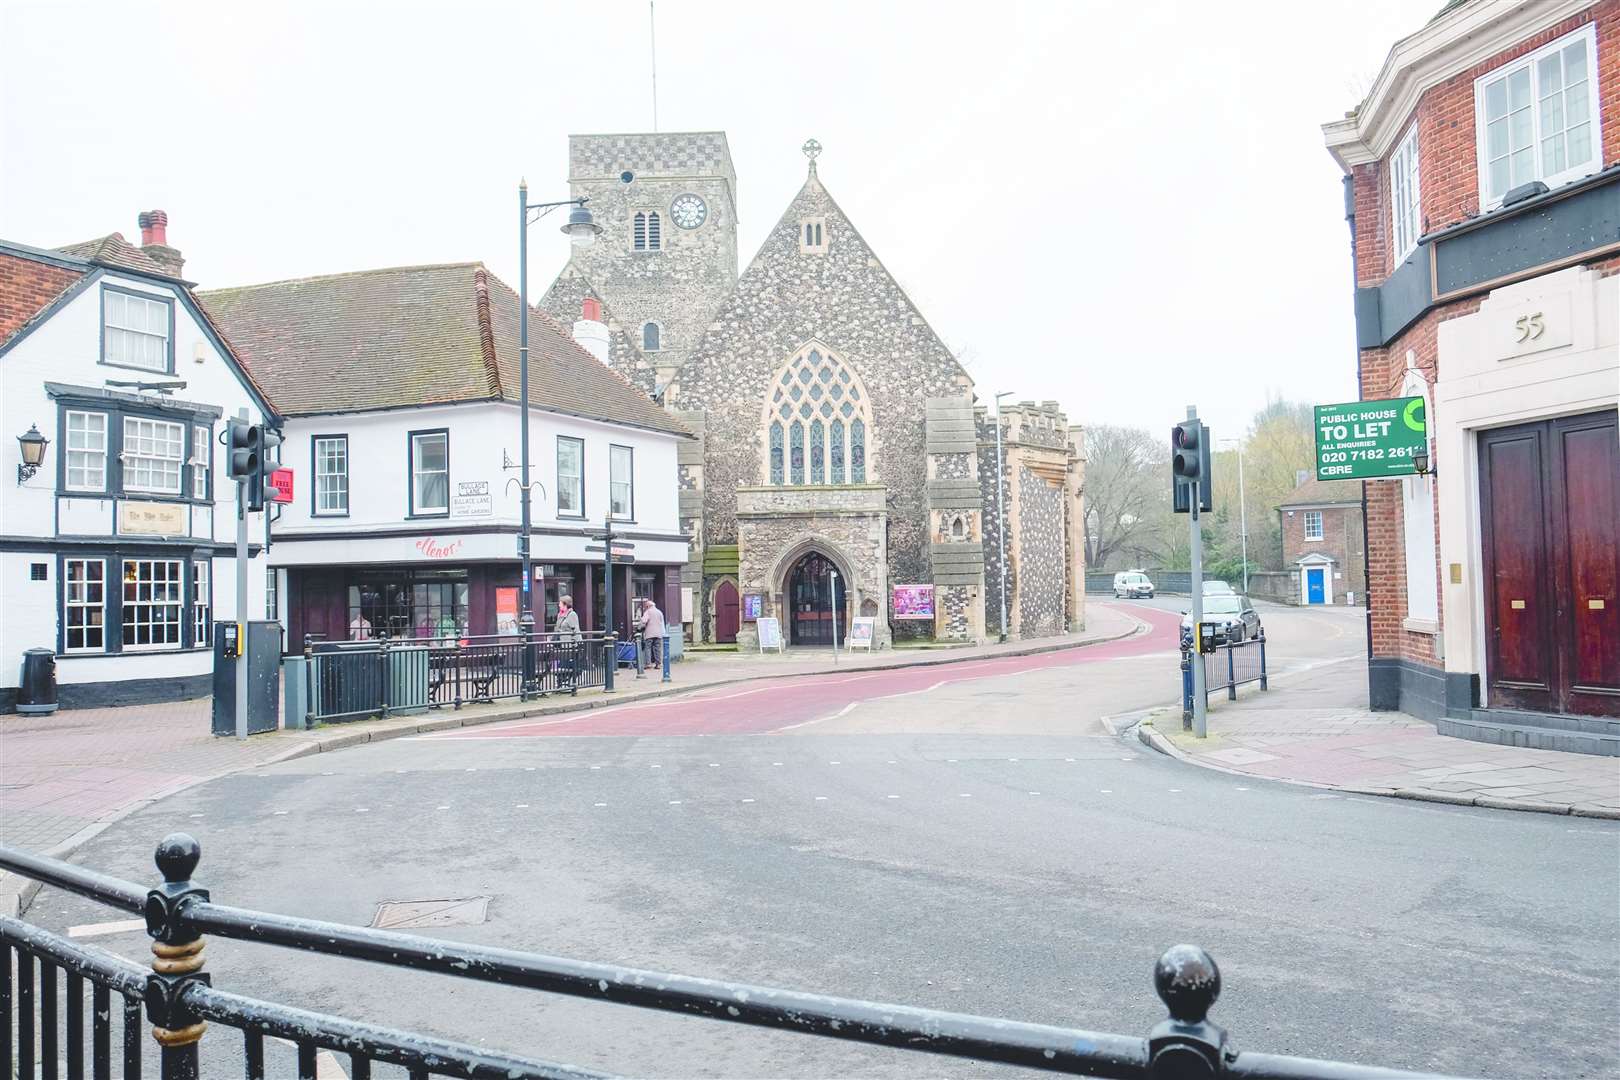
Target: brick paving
[(1314, 727), (63, 777)]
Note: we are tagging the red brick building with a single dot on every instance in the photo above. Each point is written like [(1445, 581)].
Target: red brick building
[(1483, 193), (1322, 541)]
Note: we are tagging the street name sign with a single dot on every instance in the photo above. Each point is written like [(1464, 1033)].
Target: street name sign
[(1370, 440)]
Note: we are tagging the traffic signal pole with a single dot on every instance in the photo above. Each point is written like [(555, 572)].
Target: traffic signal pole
[(1190, 467), (242, 602)]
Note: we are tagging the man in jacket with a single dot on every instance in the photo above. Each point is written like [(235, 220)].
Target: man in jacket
[(651, 625), (568, 639)]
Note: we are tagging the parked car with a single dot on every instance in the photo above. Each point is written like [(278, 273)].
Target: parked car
[(1217, 587), (1234, 617), (1132, 583)]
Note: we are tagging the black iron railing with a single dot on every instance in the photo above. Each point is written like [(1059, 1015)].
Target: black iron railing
[(352, 680), (1226, 667), (179, 1001)]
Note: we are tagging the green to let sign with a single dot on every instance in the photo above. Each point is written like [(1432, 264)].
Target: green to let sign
[(1369, 440)]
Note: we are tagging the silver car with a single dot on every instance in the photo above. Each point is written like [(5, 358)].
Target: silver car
[(1234, 617)]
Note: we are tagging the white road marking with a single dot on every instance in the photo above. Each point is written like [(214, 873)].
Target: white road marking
[(748, 800), (441, 808), (1175, 789), (714, 764), (522, 806), (657, 766), (599, 804), (277, 813), (1034, 793), (821, 798), (1243, 789), (596, 766), (830, 763), (1107, 791), (776, 763), (892, 796), (674, 802), (473, 769), (1069, 759), (362, 809), (965, 795), (122, 926), (528, 768), (194, 815), (1012, 759)]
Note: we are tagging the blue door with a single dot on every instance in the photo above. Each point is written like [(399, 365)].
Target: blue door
[(1315, 585)]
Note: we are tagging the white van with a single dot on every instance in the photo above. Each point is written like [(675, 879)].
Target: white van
[(1132, 583)]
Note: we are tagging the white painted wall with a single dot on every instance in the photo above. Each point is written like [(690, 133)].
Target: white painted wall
[(67, 349), (481, 436), (1488, 378)]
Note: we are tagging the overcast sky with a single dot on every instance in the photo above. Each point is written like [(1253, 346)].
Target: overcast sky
[(1124, 206)]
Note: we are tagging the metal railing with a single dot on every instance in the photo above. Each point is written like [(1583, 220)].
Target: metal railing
[(1230, 665), (352, 680), (180, 1002)]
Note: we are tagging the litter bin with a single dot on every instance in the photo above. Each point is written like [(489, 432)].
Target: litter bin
[(36, 693)]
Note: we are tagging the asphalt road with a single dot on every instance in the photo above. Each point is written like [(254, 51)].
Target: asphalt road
[(969, 841)]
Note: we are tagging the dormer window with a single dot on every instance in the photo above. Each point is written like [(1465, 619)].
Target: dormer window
[(646, 233), (812, 238)]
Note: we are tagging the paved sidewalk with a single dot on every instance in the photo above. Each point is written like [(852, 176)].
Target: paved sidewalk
[(1313, 727), (65, 777)]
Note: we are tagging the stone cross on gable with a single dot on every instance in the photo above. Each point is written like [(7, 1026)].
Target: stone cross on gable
[(811, 149)]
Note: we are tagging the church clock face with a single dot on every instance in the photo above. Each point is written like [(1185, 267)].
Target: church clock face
[(689, 211)]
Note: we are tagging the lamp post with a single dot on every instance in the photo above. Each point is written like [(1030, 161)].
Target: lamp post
[(582, 230), (1243, 515), (1001, 519)]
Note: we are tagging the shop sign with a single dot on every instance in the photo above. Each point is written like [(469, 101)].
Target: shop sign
[(153, 518), (281, 485), (1370, 440), (429, 547), (913, 601), (472, 499)]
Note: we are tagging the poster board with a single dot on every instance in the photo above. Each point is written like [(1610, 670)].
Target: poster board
[(506, 610), (860, 633), (753, 606), (686, 605), (1370, 440), (770, 632), (914, 602)]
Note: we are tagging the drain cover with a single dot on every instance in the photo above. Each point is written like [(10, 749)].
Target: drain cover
[(404, 914)]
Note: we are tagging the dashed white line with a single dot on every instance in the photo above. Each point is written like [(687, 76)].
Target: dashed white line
[(714, 764), (362, 809), (599, 804), (821, 798), (776, 763), (596, 766), (1176, 790), (194, 815), (1034, 793), (277, 813), (891, 796), (441, 808), (748, 800), (1107, 791), (965, 795), (674, 802), (521, 806), (528, 768)]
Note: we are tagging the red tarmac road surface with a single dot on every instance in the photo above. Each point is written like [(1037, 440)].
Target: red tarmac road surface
[(736, 710)]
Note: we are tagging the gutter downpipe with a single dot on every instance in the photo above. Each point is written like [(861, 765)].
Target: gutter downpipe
[(1366, 549)]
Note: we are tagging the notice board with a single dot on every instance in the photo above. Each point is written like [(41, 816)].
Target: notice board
[(770, 632)]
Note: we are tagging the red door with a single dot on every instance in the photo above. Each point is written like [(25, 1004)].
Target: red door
[(1550, 504), (725, 613)]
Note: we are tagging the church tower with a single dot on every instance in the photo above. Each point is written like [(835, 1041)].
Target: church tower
[(667, 254)]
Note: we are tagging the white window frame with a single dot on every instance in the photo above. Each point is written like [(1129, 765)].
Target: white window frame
[(1405, 197), (202, 450), (173, 586), (627, 455), (91, 458), (1586, 34), (121, 339), (134, 460), (417, 506), (83, 603), (332, 487), (272, 594), (577, 477), (1320, 530), (202, 604)]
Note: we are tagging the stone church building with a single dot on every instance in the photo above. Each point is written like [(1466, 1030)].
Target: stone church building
[(841, 451)]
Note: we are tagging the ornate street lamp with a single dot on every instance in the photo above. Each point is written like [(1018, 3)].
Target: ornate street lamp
[(582, 231), (33, 446)]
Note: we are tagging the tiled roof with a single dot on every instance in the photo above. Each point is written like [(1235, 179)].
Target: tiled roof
[(114, 250), (27, 287), (1314, 492), (415, 335)]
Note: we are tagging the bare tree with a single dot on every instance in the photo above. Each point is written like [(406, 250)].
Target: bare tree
[(1126, 494)]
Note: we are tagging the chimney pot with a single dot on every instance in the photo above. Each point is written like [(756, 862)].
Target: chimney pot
[(591, 310), (154, 228)]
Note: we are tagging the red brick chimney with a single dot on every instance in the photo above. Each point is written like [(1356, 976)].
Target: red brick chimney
[(592, 310), (155, 241)]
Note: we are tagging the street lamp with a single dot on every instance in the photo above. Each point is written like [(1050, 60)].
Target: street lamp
[(32, 445), (1001, 518), (1243, 515), (582, 231)]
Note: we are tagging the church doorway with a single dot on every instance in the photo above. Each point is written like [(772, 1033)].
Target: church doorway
[(725, 614), (811, 602)]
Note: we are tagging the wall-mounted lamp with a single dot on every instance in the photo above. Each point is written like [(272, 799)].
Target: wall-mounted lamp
[(33, 446), (1420, 461)]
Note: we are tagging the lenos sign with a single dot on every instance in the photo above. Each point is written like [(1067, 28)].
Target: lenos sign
[(1369, 440)]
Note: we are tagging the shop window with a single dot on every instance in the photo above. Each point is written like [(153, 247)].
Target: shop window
[(408, 604), (153, 603)]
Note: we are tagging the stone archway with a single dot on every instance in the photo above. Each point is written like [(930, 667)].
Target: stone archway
[(794, 559), (816, 601)]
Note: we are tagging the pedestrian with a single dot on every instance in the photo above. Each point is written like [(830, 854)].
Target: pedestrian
[(359, 627), (568, 639), (651, 624)]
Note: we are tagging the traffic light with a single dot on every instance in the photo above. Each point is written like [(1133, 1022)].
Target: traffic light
[(1189, 465), (240, 437), (261, 440)]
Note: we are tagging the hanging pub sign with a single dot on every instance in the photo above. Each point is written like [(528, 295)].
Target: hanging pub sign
[(1370, 440), (913, 601)]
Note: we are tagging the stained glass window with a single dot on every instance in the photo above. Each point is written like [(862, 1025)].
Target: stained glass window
[(816, 391), (776, 452), (857, 452), (818, 473), (796, 452), (837, 476)]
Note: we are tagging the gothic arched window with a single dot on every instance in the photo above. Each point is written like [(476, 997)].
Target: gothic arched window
[(646, 232), (638, 232), (655, 239), (818, 391), (650, 335)]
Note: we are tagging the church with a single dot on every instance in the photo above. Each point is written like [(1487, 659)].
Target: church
[(844, 468)]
